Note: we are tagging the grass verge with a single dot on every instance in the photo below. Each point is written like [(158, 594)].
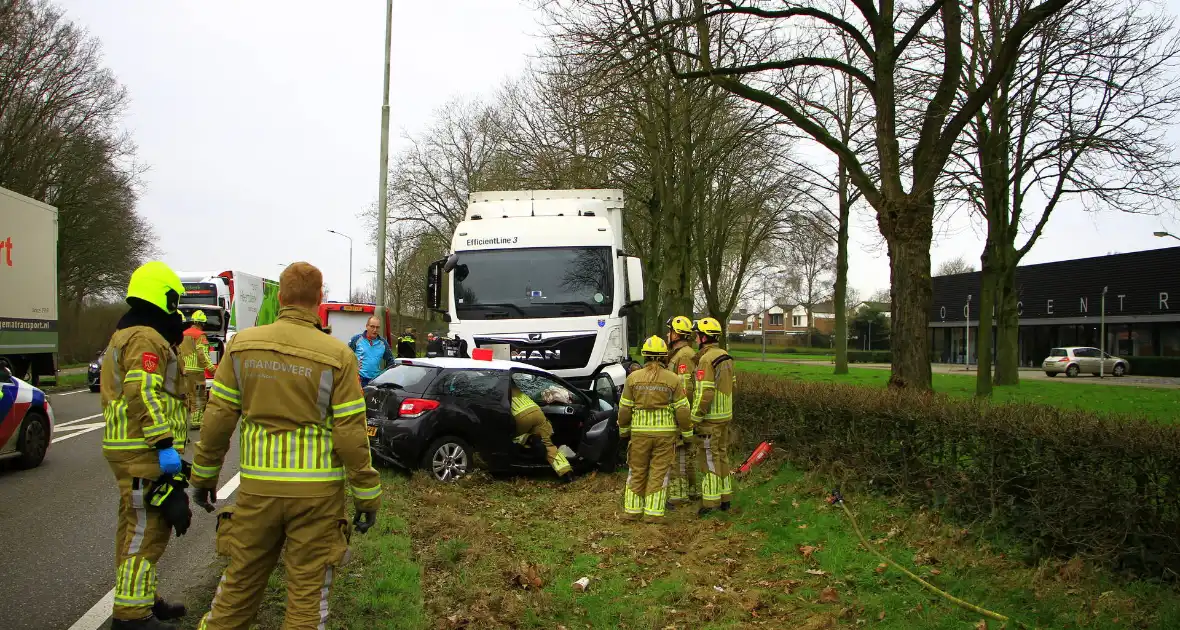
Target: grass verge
[(1156, 403), (66, 382), (452, 556)]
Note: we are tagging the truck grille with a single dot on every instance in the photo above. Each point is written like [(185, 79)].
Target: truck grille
[(562, 353)]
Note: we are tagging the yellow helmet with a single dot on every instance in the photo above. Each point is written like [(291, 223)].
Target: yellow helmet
[(199, 317), (156, 283), (655, 347), (708, 326), (680, 325)]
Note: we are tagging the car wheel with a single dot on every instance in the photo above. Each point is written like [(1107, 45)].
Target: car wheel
[(1072, 371), (94, 389), (1120, 369), (34, 439), (448, 458)]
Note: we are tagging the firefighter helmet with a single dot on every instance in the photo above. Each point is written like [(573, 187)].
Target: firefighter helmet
[(708, 326), (199, 317), (655, 347), (156, 284), (680, 325)]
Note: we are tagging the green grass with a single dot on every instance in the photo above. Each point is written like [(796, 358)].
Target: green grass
[(66, 381), (1157, 403), (453, 556)]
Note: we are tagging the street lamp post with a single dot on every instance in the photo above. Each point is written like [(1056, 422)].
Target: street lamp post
[(349, 261), (383, 176), (967, 343), (1166, 234), (1102, 337)]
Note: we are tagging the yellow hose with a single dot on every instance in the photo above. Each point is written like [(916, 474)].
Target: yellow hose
[(836, 498)]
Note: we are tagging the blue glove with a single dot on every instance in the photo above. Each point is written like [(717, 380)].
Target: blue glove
[(169, 461)]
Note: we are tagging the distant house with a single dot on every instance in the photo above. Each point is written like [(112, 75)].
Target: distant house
[(881, 307), (791, 319)]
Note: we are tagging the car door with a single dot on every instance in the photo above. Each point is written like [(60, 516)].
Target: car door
[(1087, 360), (564, 407), (601, 436), (476, 407), (9, 421)]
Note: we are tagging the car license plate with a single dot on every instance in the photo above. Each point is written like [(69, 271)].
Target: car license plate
[(372, 431)]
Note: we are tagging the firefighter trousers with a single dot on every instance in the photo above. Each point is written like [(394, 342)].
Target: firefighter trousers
[(713, 463), (141, 535), (196, 400), (649, 460), (253, 534), (557, 460), (683, 482)]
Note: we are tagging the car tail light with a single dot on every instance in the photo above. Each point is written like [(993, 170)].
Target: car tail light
[(1063, 360), (414, 407)]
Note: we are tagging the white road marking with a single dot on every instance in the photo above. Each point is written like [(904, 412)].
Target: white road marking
[(89, 427), (76, 391), (101, 611), (66, 424)]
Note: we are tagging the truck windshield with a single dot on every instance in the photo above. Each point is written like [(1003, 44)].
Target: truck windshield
[(535, 282), (212, 318), (199, 293)]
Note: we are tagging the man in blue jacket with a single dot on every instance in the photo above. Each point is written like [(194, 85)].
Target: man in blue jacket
[(372, 352)]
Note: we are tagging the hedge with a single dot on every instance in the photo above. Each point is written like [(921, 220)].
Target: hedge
[(867, 356), (1155, 366), (1064, 482)]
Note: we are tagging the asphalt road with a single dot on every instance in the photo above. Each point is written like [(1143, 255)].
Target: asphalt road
[(57, 524)]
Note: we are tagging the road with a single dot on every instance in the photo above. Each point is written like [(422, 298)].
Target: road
[(58, 521)]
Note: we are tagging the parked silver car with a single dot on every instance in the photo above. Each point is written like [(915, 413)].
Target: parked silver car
[(1073, 361)]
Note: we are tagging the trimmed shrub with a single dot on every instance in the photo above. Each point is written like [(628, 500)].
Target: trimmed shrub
[(1063, 481), (1154, 366), (874, 356)]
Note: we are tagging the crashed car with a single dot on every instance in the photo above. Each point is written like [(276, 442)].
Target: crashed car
[(441, 414), (26, 421)]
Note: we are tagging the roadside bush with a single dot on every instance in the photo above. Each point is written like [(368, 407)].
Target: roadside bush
[(1155, 366), (1063, 481), (874, 356)]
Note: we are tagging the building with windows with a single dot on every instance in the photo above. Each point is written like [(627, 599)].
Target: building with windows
[(1062, 304)]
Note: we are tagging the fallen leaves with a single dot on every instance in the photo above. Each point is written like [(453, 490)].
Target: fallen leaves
[(881, 617), (816, 572), (982, 625), (806, 551), (528, 577), (829, 596), (881, 567)]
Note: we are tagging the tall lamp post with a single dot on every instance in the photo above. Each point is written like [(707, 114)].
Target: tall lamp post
[(1102, 337), (349, 261), (1165, 234), (967, 355), (383, 177)]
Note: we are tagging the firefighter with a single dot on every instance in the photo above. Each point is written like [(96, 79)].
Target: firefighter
[(682, 361), (297, 395), (406, 345), (530, 421), (194, 352), (653, 408), (712, 411), (143, 406)]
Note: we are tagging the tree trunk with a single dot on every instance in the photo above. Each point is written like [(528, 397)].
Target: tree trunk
[(983, 339), (840, 303), (908, 230), (1007, 324)]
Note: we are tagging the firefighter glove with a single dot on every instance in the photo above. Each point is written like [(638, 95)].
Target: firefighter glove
[(364, 520), (169, 461), (205, 497), (168, 497)]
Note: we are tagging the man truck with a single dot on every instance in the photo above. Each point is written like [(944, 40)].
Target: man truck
[(542, 277), (232, 301), (28, 287)]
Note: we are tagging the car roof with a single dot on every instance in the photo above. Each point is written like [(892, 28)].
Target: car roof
[(452, 363)]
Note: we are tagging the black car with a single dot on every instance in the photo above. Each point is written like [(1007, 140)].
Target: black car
[(93, 372), (440, 414)]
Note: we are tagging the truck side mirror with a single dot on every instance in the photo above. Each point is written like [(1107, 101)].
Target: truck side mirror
[(450, 262), (634, 280), (434, 284)]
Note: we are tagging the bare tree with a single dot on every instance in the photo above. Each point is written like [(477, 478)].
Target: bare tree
[(900, 186), (810, 260), (956, 265), (1083, 114)]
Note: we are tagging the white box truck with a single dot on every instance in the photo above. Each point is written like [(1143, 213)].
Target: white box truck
[(28, 286), (543, 273)]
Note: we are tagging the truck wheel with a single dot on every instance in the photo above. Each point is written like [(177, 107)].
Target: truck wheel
[(34, 439)]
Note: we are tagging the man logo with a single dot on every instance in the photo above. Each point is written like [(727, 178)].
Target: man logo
[(534, 336), (536, 355)]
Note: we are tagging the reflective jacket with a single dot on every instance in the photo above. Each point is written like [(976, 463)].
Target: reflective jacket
[(372, 356), (194, 352), (714, 387), (142, 399), (683, 361), (653, 401), (302, 413), (528, 416)]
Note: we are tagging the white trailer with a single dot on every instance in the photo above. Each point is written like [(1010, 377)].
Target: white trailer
[(28, 284)]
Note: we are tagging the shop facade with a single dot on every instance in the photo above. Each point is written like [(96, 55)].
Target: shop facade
[(1061, 304)]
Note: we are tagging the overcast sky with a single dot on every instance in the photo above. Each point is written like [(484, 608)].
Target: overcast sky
[(260, 123)]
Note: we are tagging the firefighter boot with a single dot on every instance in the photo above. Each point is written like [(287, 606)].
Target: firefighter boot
[(164, 611), (725, 506), (147, 623)]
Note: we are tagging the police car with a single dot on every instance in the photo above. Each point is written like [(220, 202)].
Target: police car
[(441, 414), (26, 421)]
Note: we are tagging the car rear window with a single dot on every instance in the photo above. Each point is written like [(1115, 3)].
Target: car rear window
[(412, 378), (1058, 352)]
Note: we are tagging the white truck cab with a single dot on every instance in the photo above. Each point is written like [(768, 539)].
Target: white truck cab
[(541, 276)]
